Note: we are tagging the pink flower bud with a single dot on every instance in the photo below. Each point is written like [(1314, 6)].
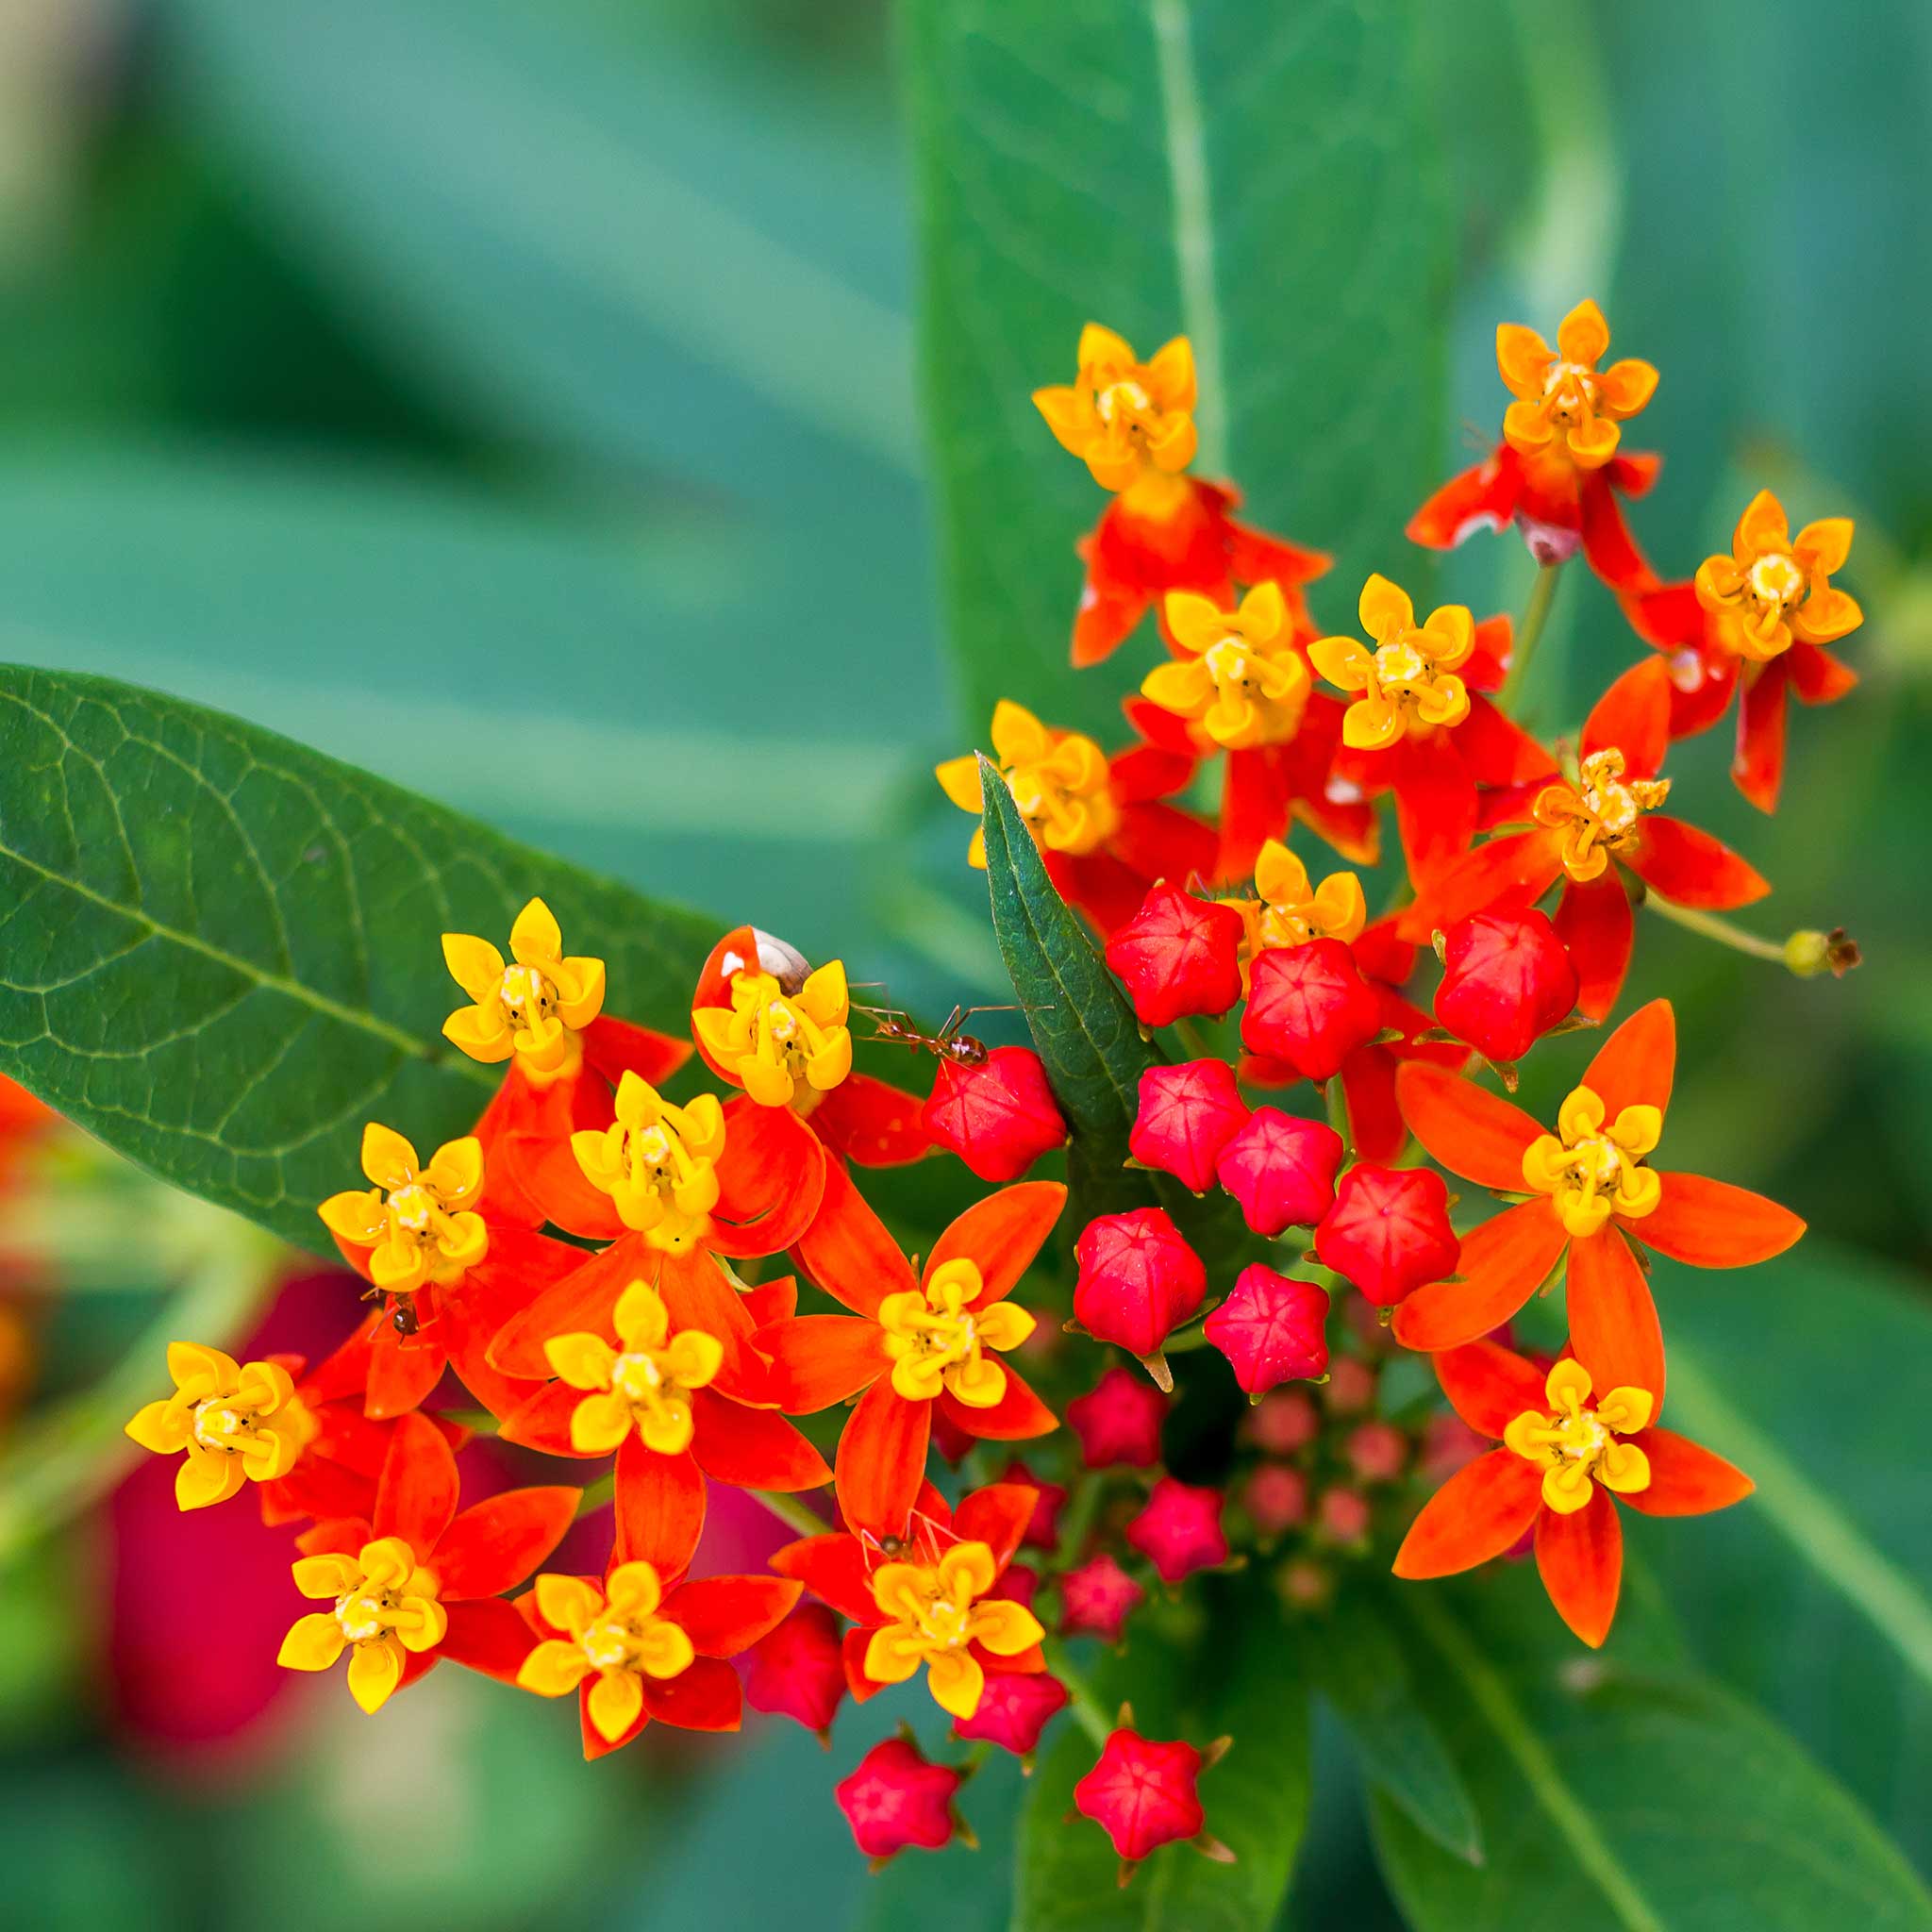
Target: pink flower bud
[(1049, 1499), (1271, 1329), (1285, 1420), (1281, 1169), (1304, 1583), (1187, 1114), (1506, 980), (796, 1670), (896, 1798), (1019, 1583), (1142, 1793), (1276, 1498), (1309, 1007), (1178, 955), (1097, 1598), (999, 1117), (1378, 1452), (1350, 1387), (1014, 1708), (1342, 1516), (1119, 1422), (1179, 1531), (1139, 1279), (1389, 1231)]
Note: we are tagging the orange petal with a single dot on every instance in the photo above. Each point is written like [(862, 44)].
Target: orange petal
[(1634, 715), (881, 1460), (1712, 1224), (820, 1359), (1016, 1416), (1472, 1131), (416, 1496), (1763, 527), (1489, 1386), (1583, 335), (1526, 860), (1476, 1515), (1686, 1480), (723, 1615), (752, 1448), (771, 1178), (1613, 1325), (1595, 923), (495, 1544), (1001, 1235), (1523, 359), (1580, 1559), (581, 1302), (660, 1508), (1633, 1066), (847, 1249), (1503, 1262), (833, 1567), (1690, 867)]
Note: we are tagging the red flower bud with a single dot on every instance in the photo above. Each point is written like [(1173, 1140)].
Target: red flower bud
[(1178, 955), (1139, 1279), (1271, 1329), (1179, 1531), (1505, 981), (1342, 1516), (999, 1117), (1285, 1420), (1014, 1708), (1187, 1114), (949, 1438), (1281, 1169), (796, 1671), (1044, 1526), (1378, 1452), (1303, 1584), (1350, 1387), (1309, 1007), (1276, 1498), (1097, 1598), (896, 1798), (1019, 1583), (1142, 1793), (1119, 1423), (1389, 1231)]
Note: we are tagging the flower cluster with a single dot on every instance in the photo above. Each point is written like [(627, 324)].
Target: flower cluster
[(653, 1255)]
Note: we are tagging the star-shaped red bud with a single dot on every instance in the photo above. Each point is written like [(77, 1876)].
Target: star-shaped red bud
[(1281, 1169), (796, 1670), (1178, 957), (1014, 1708), (1271, 1328), (1506, 981), (1179, 1531), (998, 1116), (1309, 1007), (1139, 1279), (1188, 1115), (1389, 1231), (1142, 1793), (896, 1797), (1119, 1422), (1097, 1598)]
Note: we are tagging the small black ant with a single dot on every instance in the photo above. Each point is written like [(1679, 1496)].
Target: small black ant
[(949, 1043), (403, 1317)]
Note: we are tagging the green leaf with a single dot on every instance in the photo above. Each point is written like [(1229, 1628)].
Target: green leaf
[(1815, 1595), (219, 950), (1622, 1795), (1234, 1674), (1360, 1665), (1261, 177), (1083, 1028)]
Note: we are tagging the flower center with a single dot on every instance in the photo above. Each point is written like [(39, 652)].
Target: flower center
[(1568, 390), (364, 1614), (1230, 665), (1599, 813), (1577, 1443), (219, 1424), (1066, 798), (938, 1337), (1399, 666), (1591, 1168), (608, 1644), (1775, 580), (527, 996), (641, 1377), (1125, 401)]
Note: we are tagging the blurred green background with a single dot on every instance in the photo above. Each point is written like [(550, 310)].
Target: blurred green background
[(516, 397)]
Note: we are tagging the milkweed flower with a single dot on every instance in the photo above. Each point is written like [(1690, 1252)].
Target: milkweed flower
[(1560, 466), (1593, 1196), (420, 1582), (1104, 832), (1756, 621), (1576, 1439), (1419, 725), (929, 1602), (230, 1424), (1588, 833), (1133, 426), (913, 1343)]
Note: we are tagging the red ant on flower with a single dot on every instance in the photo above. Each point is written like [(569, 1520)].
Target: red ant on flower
[(949, 1043)]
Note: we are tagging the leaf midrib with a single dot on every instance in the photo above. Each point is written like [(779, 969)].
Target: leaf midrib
[(274, 982)]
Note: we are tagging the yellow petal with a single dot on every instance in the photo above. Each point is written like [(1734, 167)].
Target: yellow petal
[(1171, 374), (161, 1427), (474, 964), (1264, 610), (480, 1032), (1384, 607), (1005, 1628), (1341, 660), (1198, 623), (1624, 1468), (1825, 544), (617, 1698), (1280, 877), (198, 1370), (206, 1476), (695, 1357), (314, 1644), (956, 1683), (599, 1423), (666, 1426), (892, 1654), (664, 1649), (1367, 726), (978, 1384), (554, 1668), (1068, 413), (1583, 335), (1523, 357), (959, 780), (1568, 1382), (1340, 909), (767, 1084), (1628, 1410), (635, 1588), (536, 938), (580, 991), (1184, 689), (1625, 388), (830, 1065), (967, 1570), (1102, 346), (581, 1360), (1018, 736), (374, 1671), (388, 1159), (640, 1316), (356, 1216), (1003, 1325), (457, 1171), (567, 1603)]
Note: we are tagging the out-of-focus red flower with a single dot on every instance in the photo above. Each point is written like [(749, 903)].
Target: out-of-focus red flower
[(1276, 1498), (1119, 1422), (798, 1669), (1286, 1420), (1096, 1599), (1179, 1531)]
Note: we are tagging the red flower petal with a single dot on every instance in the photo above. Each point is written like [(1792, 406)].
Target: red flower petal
[(1001, 1234), (1481, 498), (881, 1459), (847, 1249), (542, 1422), (1489, 1386), (490, 1547), (1634, 1065), (704, 1696), (581, 1302), (1580, 1559), (660, 1508), (872, 1123), (1524, 865), (1476, 1515), (753, 1448), (486, 1634), (1613, 1326), (771, 1178), (1634, 717), (1757, 768), (416, 1497), (616, 1047), (1016, 1417), (723, 1615), (820, 1359), (1690, 867), (996, 1516), (1503, 1262), (834, 1569), (1686, 1480), (402, 1368), (1595, 923), (1712, 1224), (1472, 1131)]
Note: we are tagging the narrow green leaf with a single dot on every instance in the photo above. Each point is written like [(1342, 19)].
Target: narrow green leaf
[(1236, 1675), (219, 949), (1620, 1795), (1360, 1665), (1262, 178)]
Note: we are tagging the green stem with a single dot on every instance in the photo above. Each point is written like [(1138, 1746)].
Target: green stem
[(1081, 1700), (1083, 1505), (1529, 633), (1722, 930), (1335, 1099), (793, 1512)]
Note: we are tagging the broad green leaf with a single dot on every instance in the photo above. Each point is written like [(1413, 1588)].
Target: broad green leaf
[(1360, 1665), (219, 949), (1234, 1674), (1620, 1795), (1261, 177), (1084, 1029), (1815, 1595), (597, 242)]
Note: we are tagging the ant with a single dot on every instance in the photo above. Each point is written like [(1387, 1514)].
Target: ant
[(948, 1043), (401, 1314)]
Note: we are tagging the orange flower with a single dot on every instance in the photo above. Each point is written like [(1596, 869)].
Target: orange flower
[(1572, 1440), (1563, 403), (913, 1341), (1608, 812), (1131, 423), (1594, 1197)]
